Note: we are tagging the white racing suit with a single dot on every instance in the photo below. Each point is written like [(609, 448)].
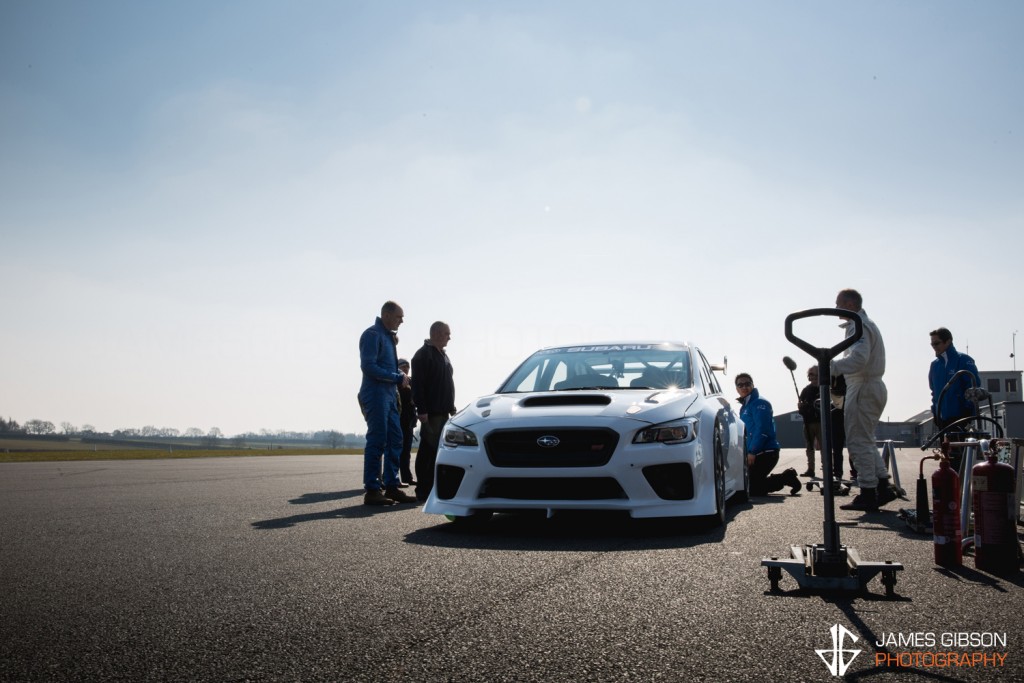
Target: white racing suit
[(863, 365)]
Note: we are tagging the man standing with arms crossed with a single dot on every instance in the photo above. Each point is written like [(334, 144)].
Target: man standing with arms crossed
[(863, 365), (433, 392), (378, 399)]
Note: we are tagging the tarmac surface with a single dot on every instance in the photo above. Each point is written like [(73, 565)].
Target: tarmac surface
[(271, 569)]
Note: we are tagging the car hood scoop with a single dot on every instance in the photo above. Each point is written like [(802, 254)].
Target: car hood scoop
[(566, 400)]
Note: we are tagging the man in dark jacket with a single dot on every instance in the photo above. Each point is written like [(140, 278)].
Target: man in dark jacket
[(433, 392), (954, 406), (948, 361), (408, 419), (378, 400), (809, 407)]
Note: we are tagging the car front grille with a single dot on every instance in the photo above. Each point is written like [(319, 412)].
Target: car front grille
[(552, 488), (557, 447)]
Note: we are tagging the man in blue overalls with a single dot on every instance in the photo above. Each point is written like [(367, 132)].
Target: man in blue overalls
[(378, 399)]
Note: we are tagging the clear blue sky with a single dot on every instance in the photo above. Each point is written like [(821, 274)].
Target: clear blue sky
[(202, 205)]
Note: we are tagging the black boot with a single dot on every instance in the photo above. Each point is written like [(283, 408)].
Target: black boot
[(398, 496), (793, 481), (865, 501), (788, 477), (886, 492)]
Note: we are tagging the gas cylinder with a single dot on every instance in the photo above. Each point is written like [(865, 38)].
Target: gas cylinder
[(995, 521), (946, 530)]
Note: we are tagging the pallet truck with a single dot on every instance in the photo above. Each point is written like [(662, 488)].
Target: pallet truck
[(828, 566), (840, 487)]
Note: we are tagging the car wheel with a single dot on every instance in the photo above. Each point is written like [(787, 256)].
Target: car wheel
[(718, 518), (743, 495)]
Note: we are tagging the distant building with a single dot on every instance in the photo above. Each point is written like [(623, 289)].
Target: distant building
[(789, 428), (1007, 404), (1003, 385)]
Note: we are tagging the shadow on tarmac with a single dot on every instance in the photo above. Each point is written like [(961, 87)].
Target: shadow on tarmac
[(870, 639), (576, 530), (884, 520), (840, 599), (325, 497), (967, 574), (358, 511)]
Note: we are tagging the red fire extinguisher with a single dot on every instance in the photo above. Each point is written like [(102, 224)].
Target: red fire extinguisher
[(946, 530), (995, 528)]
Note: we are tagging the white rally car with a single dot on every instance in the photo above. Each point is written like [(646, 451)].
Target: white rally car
[(641, 427)]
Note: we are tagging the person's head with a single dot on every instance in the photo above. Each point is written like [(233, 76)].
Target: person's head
[(744, 384), (403, 365), (391, 315), (812, 374), (440, 334), (942, 339), (849, 300)]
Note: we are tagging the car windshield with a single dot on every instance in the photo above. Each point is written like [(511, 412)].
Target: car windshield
[(621, 366)]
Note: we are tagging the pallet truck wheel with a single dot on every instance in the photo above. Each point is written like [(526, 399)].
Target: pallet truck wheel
[(774, 574), (889, 581), (810, 486)]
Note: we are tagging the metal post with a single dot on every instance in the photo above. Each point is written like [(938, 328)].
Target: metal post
[(965, 491), (889, 458), (831, 528)]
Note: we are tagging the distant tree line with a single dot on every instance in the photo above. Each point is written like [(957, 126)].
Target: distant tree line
[(213, 436), (33, 427)]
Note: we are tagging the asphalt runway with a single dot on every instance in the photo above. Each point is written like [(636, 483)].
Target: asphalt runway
[(271, 569)]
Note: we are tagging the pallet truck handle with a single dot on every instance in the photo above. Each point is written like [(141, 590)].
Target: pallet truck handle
[(829, 564), (823, 355)]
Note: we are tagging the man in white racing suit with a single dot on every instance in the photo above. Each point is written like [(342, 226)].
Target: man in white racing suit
[(863, 365)]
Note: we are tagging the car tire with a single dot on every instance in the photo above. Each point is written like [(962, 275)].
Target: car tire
[(718, 518), (743, 495)]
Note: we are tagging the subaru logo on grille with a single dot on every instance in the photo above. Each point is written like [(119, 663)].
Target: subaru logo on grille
[(548, 441)]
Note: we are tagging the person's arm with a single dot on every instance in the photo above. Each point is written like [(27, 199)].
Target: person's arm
[(420, 378), (857, 356), (805, 406), (450, 378), (972, 367)]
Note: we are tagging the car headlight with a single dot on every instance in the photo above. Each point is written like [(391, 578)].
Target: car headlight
[(677, 431), (455, 436)]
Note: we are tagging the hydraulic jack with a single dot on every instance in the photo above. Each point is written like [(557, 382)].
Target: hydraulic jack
[(828, 566)]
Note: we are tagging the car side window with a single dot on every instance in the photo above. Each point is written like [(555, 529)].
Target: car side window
[(711, 386), (704, 384), (714, 381)]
